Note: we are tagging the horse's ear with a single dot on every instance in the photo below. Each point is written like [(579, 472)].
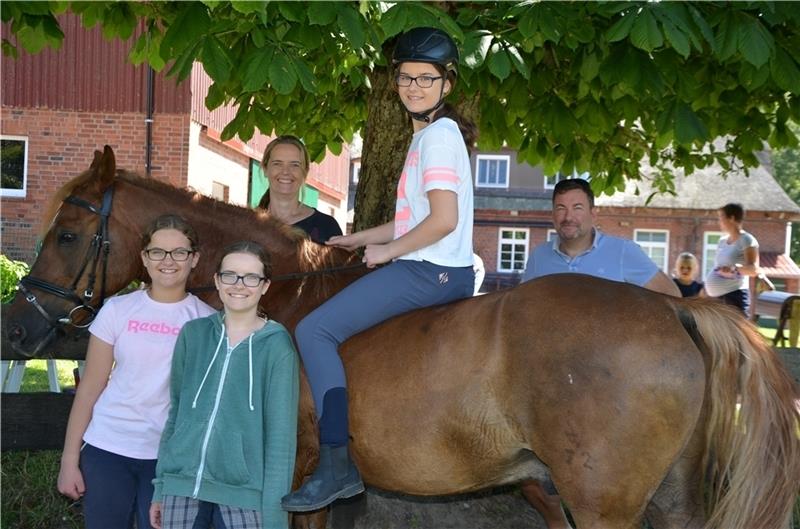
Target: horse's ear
[(96, 161), (104, 167)]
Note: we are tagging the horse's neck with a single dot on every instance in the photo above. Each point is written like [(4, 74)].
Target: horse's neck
[(219, 225)]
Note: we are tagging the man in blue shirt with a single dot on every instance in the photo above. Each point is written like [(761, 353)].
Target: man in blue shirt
[(581, 249)]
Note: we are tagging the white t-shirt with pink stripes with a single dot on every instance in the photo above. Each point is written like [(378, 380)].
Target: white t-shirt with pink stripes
[(130, 413), (437, 159)]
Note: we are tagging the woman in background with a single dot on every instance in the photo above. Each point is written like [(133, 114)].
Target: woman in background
[(286, 164), (735, 262)]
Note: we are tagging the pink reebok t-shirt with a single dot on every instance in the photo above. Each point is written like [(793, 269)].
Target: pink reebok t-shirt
[(130, 413)]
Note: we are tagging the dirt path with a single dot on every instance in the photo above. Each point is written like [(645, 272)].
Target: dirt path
[(505, 509)]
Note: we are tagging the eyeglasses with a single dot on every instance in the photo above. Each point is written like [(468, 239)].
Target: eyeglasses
[(159, 254), (423, 81), (248, 280)]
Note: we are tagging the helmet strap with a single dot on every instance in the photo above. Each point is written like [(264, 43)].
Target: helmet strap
[(425, 116)]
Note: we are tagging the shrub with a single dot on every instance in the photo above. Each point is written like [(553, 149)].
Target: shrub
[(10, 274)]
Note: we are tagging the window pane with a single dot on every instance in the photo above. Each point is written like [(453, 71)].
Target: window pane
[(522, 235), (12, 160), (651, 236), (503, 170)]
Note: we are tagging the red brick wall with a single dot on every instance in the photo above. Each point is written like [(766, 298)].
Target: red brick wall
[(61, 146)]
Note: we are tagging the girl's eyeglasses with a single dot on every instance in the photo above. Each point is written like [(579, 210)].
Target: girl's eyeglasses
[(423, 81), (248, 280), (159, 254)]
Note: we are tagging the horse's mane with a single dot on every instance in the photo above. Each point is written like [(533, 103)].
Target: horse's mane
[(310, 255)]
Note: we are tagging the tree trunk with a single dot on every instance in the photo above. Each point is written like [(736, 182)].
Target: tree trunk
[(387, 136)]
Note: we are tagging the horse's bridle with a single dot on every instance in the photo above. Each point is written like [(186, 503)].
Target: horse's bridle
[(97, 255)]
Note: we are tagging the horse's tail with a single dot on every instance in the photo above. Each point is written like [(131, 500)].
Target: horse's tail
[(752, 450)]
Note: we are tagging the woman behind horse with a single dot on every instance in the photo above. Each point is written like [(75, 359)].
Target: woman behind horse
[(286, 163), (429, 245), (121, 403)]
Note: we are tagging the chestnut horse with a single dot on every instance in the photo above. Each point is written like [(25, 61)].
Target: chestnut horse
[(625, 398)]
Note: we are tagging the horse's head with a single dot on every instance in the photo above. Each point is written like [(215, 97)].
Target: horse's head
[(82, 260)]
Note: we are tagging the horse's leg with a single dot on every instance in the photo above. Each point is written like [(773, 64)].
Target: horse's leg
[(309, 520), (548, 505), (678, 501)]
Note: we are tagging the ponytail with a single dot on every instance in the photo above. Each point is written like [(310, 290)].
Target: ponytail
[(469, 131)]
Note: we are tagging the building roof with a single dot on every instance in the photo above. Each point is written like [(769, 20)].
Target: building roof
[(706, 189), (776, 264)]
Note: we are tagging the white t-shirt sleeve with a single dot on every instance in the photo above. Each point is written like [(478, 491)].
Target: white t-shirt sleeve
[(748, 241), (105, 323)]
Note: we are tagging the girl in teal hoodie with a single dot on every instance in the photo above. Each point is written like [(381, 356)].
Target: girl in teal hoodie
[(227, 452)]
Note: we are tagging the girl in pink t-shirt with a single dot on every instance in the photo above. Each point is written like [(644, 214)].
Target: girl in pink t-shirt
[(122, 401)]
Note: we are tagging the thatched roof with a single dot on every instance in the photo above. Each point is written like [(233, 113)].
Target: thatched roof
[(706, 189)]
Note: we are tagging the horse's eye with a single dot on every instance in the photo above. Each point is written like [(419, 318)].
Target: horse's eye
[(67, 238)]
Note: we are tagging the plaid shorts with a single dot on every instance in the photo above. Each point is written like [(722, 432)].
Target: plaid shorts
[(179, 512)]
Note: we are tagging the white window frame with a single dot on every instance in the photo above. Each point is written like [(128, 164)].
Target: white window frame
[(489, 158), (356, 171), (500, 241), (551, 233), (18, 193), (709, 251), (646, 245), (559, 177)]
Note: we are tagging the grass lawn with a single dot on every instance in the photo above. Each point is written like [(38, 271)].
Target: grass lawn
[(29, 496)]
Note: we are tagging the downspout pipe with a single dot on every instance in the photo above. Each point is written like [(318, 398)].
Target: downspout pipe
[(151, 84)]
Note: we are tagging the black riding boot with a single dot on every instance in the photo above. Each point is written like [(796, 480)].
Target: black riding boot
[(336, 477)]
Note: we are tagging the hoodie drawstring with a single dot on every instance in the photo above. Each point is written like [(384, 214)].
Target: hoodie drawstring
[(250, 365), (208, 370)]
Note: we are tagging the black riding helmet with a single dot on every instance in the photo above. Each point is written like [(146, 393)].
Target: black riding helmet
[(428, 45)]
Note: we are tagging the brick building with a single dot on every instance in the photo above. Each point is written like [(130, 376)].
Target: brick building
[(513, 212), (57, 107)]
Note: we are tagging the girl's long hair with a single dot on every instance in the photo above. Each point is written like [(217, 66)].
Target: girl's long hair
[(469, 131)]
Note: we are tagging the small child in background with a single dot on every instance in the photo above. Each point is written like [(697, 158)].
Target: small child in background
[(686, 268)]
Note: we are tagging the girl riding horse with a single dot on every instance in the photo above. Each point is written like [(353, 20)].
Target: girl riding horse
[(429, 244)]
